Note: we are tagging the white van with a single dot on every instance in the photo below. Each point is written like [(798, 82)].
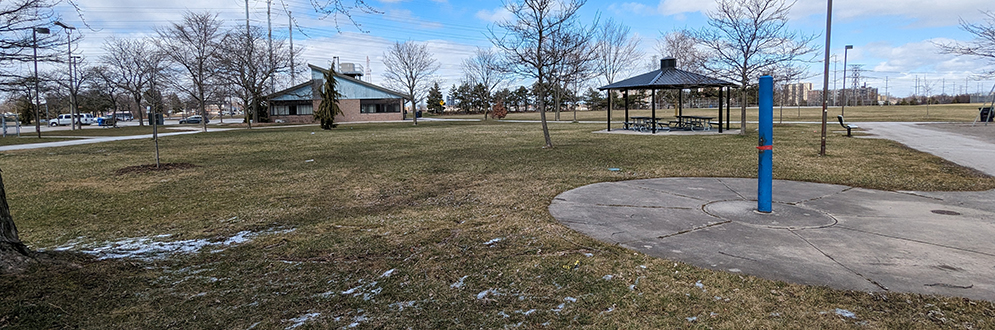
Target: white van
[(67, 119)]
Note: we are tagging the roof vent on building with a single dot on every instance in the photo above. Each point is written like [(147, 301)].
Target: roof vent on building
[(668, 63)]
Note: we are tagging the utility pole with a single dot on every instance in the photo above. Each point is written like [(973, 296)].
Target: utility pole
[(290, 22), (248, 48), (269, 24)]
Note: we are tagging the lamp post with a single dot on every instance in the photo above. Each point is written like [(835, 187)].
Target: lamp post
[(843, 109), (72, 81), (825, 76), (34, 37)]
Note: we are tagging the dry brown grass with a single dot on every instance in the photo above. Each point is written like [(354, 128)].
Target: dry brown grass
[(439, 204)]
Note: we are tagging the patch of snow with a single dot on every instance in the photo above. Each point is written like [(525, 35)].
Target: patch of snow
[(388, 273), (570, 299), (300, 320), (503, 314), (845, 313), (692, 319), (155, 248), (484, 293), (588, 254), (401, 305), (459, 284), (700, 286), (526, 312), (353, 290), (491, 242), (608, 277)]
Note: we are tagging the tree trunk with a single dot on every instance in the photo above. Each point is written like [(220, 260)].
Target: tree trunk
[(742, 125), (13, 253)]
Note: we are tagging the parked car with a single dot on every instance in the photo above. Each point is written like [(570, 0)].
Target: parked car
[(67, 119), (195, 119), (124, 116), (106, 121)]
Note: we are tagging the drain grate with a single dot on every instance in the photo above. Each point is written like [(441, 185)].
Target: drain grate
[(945, 212)]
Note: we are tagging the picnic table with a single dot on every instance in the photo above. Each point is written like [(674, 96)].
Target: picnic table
[(690, 123), (640, 123)]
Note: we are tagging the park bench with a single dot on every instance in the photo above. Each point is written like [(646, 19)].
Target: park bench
[(848, 127)]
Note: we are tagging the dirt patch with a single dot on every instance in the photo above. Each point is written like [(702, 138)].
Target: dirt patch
[(152, 168)]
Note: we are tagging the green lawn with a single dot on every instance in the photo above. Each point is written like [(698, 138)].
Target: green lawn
[(942, 113), (443, 225)]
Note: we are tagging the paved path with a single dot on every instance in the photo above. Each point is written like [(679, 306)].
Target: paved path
[(964, 150), (817, 234), (89, 140)]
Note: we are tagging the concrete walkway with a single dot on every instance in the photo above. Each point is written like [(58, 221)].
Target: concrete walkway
[(817, 234), (90, 140), (964, 150)]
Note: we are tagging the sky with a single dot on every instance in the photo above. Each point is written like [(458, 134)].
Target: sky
[(894, 40)]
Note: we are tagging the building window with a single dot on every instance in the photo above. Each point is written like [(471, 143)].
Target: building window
[(379, 106), (292, 110)]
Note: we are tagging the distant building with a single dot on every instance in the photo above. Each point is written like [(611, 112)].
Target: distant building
[(854, 96), (360, 102), (797, 94)]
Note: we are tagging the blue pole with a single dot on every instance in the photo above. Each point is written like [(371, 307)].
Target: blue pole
[(765, 171)]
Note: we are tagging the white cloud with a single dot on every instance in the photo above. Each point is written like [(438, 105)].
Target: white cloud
[(629, 8), (676, 7), (494, 16)]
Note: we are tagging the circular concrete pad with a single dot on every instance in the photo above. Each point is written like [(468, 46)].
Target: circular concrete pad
[(817, 234), (782, 216)]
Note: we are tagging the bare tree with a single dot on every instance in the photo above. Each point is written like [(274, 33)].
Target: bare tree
[(578, 62), (338, 9), (104, 80), (128, 66), (243, 62), (682, 46), (983, 44), (484, 68), (409, 66), (18, 21), (528, 42), (617, 51), (747, 38), (193, 44)]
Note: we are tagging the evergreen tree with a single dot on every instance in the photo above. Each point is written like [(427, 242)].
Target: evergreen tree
[(434, 99), (329, 106)]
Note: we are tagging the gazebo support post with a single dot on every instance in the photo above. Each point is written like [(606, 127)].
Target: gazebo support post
[(609, 110), (653, 110), (720, 109), (625, 96), (680, 102)]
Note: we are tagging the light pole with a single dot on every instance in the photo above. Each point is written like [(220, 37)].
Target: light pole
[(843, 109), (825, 76), (34, 37), (72, 81)]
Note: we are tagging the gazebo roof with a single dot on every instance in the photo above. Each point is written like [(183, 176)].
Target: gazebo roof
[(668, 77)]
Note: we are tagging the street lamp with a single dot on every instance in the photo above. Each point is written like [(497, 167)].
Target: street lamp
[(72, 81), (34, 37), (843, 109)]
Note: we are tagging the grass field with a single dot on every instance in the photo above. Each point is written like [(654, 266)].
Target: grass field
[(443, 225), (917, 113)]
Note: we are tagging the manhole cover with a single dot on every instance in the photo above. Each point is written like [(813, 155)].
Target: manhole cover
[(784, 216), (945, 212)]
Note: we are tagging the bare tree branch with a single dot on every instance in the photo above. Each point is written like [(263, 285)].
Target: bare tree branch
[(409, 64)]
